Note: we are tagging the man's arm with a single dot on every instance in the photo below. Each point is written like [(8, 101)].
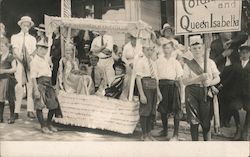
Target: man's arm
[(143, 98), (96, 49)]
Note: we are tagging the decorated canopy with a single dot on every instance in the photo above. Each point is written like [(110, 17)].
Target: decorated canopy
[(137, 28)]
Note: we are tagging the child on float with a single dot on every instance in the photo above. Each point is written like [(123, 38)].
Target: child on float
[(71, 79)]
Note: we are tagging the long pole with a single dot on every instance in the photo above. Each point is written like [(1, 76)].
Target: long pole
[(65, 12)]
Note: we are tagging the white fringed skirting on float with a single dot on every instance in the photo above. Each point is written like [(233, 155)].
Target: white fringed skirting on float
[(98, 112)]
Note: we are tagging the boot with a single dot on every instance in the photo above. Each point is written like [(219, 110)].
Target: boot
[(245, 129), (206, 134), (245, 134), (1, 111), (194, 132), (237, 135), (236, 116), (176, 129), (164, 120), (12, 114)]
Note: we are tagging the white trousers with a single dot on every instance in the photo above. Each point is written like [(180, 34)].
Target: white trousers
[(107, 66), (19, 90)]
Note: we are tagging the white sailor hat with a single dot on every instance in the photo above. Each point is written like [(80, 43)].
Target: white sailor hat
[(195, 40)]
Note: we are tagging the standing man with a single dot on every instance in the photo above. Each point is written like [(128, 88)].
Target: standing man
[(197, 102), (23, 46), (224, 52), (102, 46)]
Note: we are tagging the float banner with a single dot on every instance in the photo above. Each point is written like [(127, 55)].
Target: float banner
[(207, 16)]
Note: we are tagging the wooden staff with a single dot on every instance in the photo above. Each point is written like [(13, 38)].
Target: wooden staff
[(207, 45)]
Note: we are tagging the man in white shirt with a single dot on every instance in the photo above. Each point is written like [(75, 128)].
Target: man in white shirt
[(131, 51), (23, 47), (102, 46)]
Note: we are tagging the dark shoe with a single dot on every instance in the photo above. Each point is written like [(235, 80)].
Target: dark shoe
[(16, 115), (31, 115), (1, 120), (52, 128), (162, 133)]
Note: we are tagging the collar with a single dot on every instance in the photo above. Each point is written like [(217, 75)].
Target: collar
[(244, 61)]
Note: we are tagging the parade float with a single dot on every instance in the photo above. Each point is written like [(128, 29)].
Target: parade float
[(93, 111)]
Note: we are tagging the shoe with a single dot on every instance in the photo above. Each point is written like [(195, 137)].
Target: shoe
[(143, 138), (11, 120), (1, 120), (151, 137), (237, 135), (184, 117), (45, 130), (174, 138), (52, 128), (147, 138), (31, 115), (16, 116), (162, 133)]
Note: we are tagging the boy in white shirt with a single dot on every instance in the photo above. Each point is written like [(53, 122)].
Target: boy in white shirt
[(198, 103), (43, 92), (169, 74), (149, 93)]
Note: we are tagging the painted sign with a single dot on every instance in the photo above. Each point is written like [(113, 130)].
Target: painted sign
[(207, 16)]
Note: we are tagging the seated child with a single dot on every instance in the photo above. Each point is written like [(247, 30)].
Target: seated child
[(71, 78), (117, 87)]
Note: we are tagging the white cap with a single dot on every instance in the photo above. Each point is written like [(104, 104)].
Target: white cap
[(194, 40)]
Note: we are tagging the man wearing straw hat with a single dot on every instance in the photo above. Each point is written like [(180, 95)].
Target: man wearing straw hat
[(23, 46)]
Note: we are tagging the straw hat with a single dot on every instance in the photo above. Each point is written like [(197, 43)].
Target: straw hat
[(165, 27), (41, 28), (25, 19)]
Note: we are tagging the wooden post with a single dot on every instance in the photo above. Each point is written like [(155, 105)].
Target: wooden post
[(65, 12)]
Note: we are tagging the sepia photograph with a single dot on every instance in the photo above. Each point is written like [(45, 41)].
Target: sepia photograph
[(125, 78)]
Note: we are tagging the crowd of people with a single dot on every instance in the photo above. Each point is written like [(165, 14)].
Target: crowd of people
[(169, 76)]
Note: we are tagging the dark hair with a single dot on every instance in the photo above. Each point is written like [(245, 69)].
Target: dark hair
[(244, 48), (120, 64), (115, 48)]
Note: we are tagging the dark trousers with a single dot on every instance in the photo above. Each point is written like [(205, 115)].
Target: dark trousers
[(146, 124), (41, 120), (11, 107), (55, 62), (198, 111)]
